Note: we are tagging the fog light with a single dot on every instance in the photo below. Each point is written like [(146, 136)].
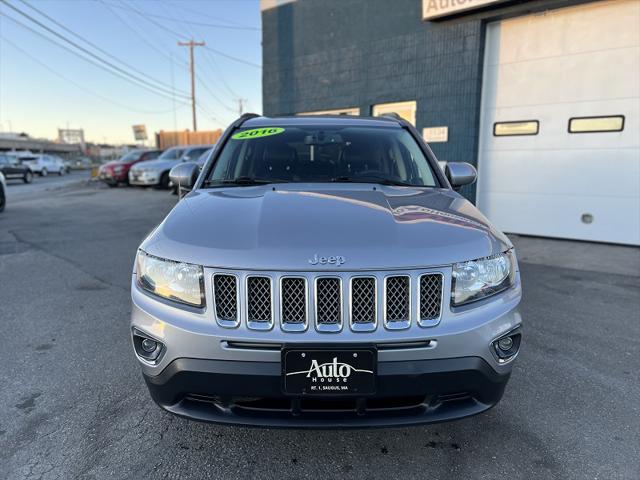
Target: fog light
[(504, 344), (149, 345), (147, 348), (507, 346)]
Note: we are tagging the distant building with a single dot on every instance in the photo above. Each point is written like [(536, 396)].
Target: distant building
[(542, 96), (22, 141)]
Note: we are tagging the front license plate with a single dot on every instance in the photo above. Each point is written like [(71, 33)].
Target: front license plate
[(329, 372)]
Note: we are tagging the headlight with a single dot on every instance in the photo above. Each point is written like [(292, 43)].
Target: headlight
[(177, 281), (481, 278), (118, 168)]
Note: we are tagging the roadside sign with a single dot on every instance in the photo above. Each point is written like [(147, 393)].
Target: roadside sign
[(140, 132)]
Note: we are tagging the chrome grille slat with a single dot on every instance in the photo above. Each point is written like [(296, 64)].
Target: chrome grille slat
[(398, 301), (259, 302), (430, 299), (364, 303), (293, 298), (328, 303), (225, 290)]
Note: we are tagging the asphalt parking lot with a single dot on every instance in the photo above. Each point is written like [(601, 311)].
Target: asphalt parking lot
[(74, 404)]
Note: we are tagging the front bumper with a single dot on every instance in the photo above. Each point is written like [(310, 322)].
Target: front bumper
[(144, 179), (249, 393), (112, 178)]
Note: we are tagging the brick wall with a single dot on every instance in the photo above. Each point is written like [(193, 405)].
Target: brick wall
[(319, 55)]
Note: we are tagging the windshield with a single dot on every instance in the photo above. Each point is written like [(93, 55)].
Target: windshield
[(193, 154), (322, 154), (171, 154), (131, 156)]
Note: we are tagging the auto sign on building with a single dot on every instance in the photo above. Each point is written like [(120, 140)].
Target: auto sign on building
[(542, 96)]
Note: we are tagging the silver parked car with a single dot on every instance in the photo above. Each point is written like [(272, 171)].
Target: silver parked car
[(156, 172), (45, 164), (324, 272)]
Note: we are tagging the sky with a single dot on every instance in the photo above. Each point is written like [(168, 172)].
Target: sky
[(44, 87)]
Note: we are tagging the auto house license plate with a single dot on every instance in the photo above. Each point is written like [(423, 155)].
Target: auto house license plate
[(315, 371)]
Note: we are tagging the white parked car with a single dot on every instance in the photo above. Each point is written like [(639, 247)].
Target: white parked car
[(45, 164)]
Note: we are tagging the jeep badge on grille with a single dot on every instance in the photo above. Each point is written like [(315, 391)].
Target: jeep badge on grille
[(333, 260)]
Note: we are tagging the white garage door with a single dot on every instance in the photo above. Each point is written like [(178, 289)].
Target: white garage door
[(559, 148)]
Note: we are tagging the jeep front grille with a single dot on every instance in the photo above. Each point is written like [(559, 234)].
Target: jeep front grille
[(259, 312), (293, 303), (328, 303), (397, 302), (363, 303), (430, 299), (225, 293)]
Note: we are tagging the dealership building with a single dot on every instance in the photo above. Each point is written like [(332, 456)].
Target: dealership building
[(542, 96)]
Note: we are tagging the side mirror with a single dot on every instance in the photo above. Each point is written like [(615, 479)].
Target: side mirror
[(184, 176), (460, 173)]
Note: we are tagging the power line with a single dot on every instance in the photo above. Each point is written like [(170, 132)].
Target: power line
[(86, 59), (142, 37), (231, 57), (180, 64), (133, 68), (88, 52), (81, 87), (131, 8), (181, 35), (202, 14), (192, 22), (209, 61)]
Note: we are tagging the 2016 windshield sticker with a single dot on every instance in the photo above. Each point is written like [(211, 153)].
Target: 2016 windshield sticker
[(257, 133)]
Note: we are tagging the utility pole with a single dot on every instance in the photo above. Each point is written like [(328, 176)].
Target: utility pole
[(192, 67), (241, 102)]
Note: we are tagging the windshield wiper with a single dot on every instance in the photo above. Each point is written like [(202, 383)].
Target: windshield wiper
[(244, 181), (373, 179)]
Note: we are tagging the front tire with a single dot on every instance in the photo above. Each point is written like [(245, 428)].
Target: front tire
[(61, 172), (44, 172), (28, 177), (164, 181), (3, 200)]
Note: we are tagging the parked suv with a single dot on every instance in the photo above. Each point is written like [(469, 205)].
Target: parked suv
[(324, 272), (116, 172), (44, 164), (11, 168), (155, 173)]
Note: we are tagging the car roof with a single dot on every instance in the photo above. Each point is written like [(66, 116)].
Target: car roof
[(321, 120)]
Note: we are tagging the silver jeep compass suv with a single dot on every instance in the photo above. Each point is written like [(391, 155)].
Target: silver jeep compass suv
[(323, 272)]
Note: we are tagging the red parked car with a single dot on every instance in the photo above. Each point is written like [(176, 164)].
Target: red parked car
[(113, 173)]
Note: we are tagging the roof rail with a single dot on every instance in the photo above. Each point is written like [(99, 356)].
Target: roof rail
[(244, 117), (393, 115)]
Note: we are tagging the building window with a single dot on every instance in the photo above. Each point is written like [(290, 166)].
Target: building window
[(613, 123), (337, 111), (406, 110), (510, 129)]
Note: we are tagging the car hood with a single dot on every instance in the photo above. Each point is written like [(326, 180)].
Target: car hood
[(155, 165), (115, 163), (282, 227)]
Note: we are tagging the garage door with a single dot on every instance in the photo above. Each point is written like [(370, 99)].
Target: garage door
[(559, 151)]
